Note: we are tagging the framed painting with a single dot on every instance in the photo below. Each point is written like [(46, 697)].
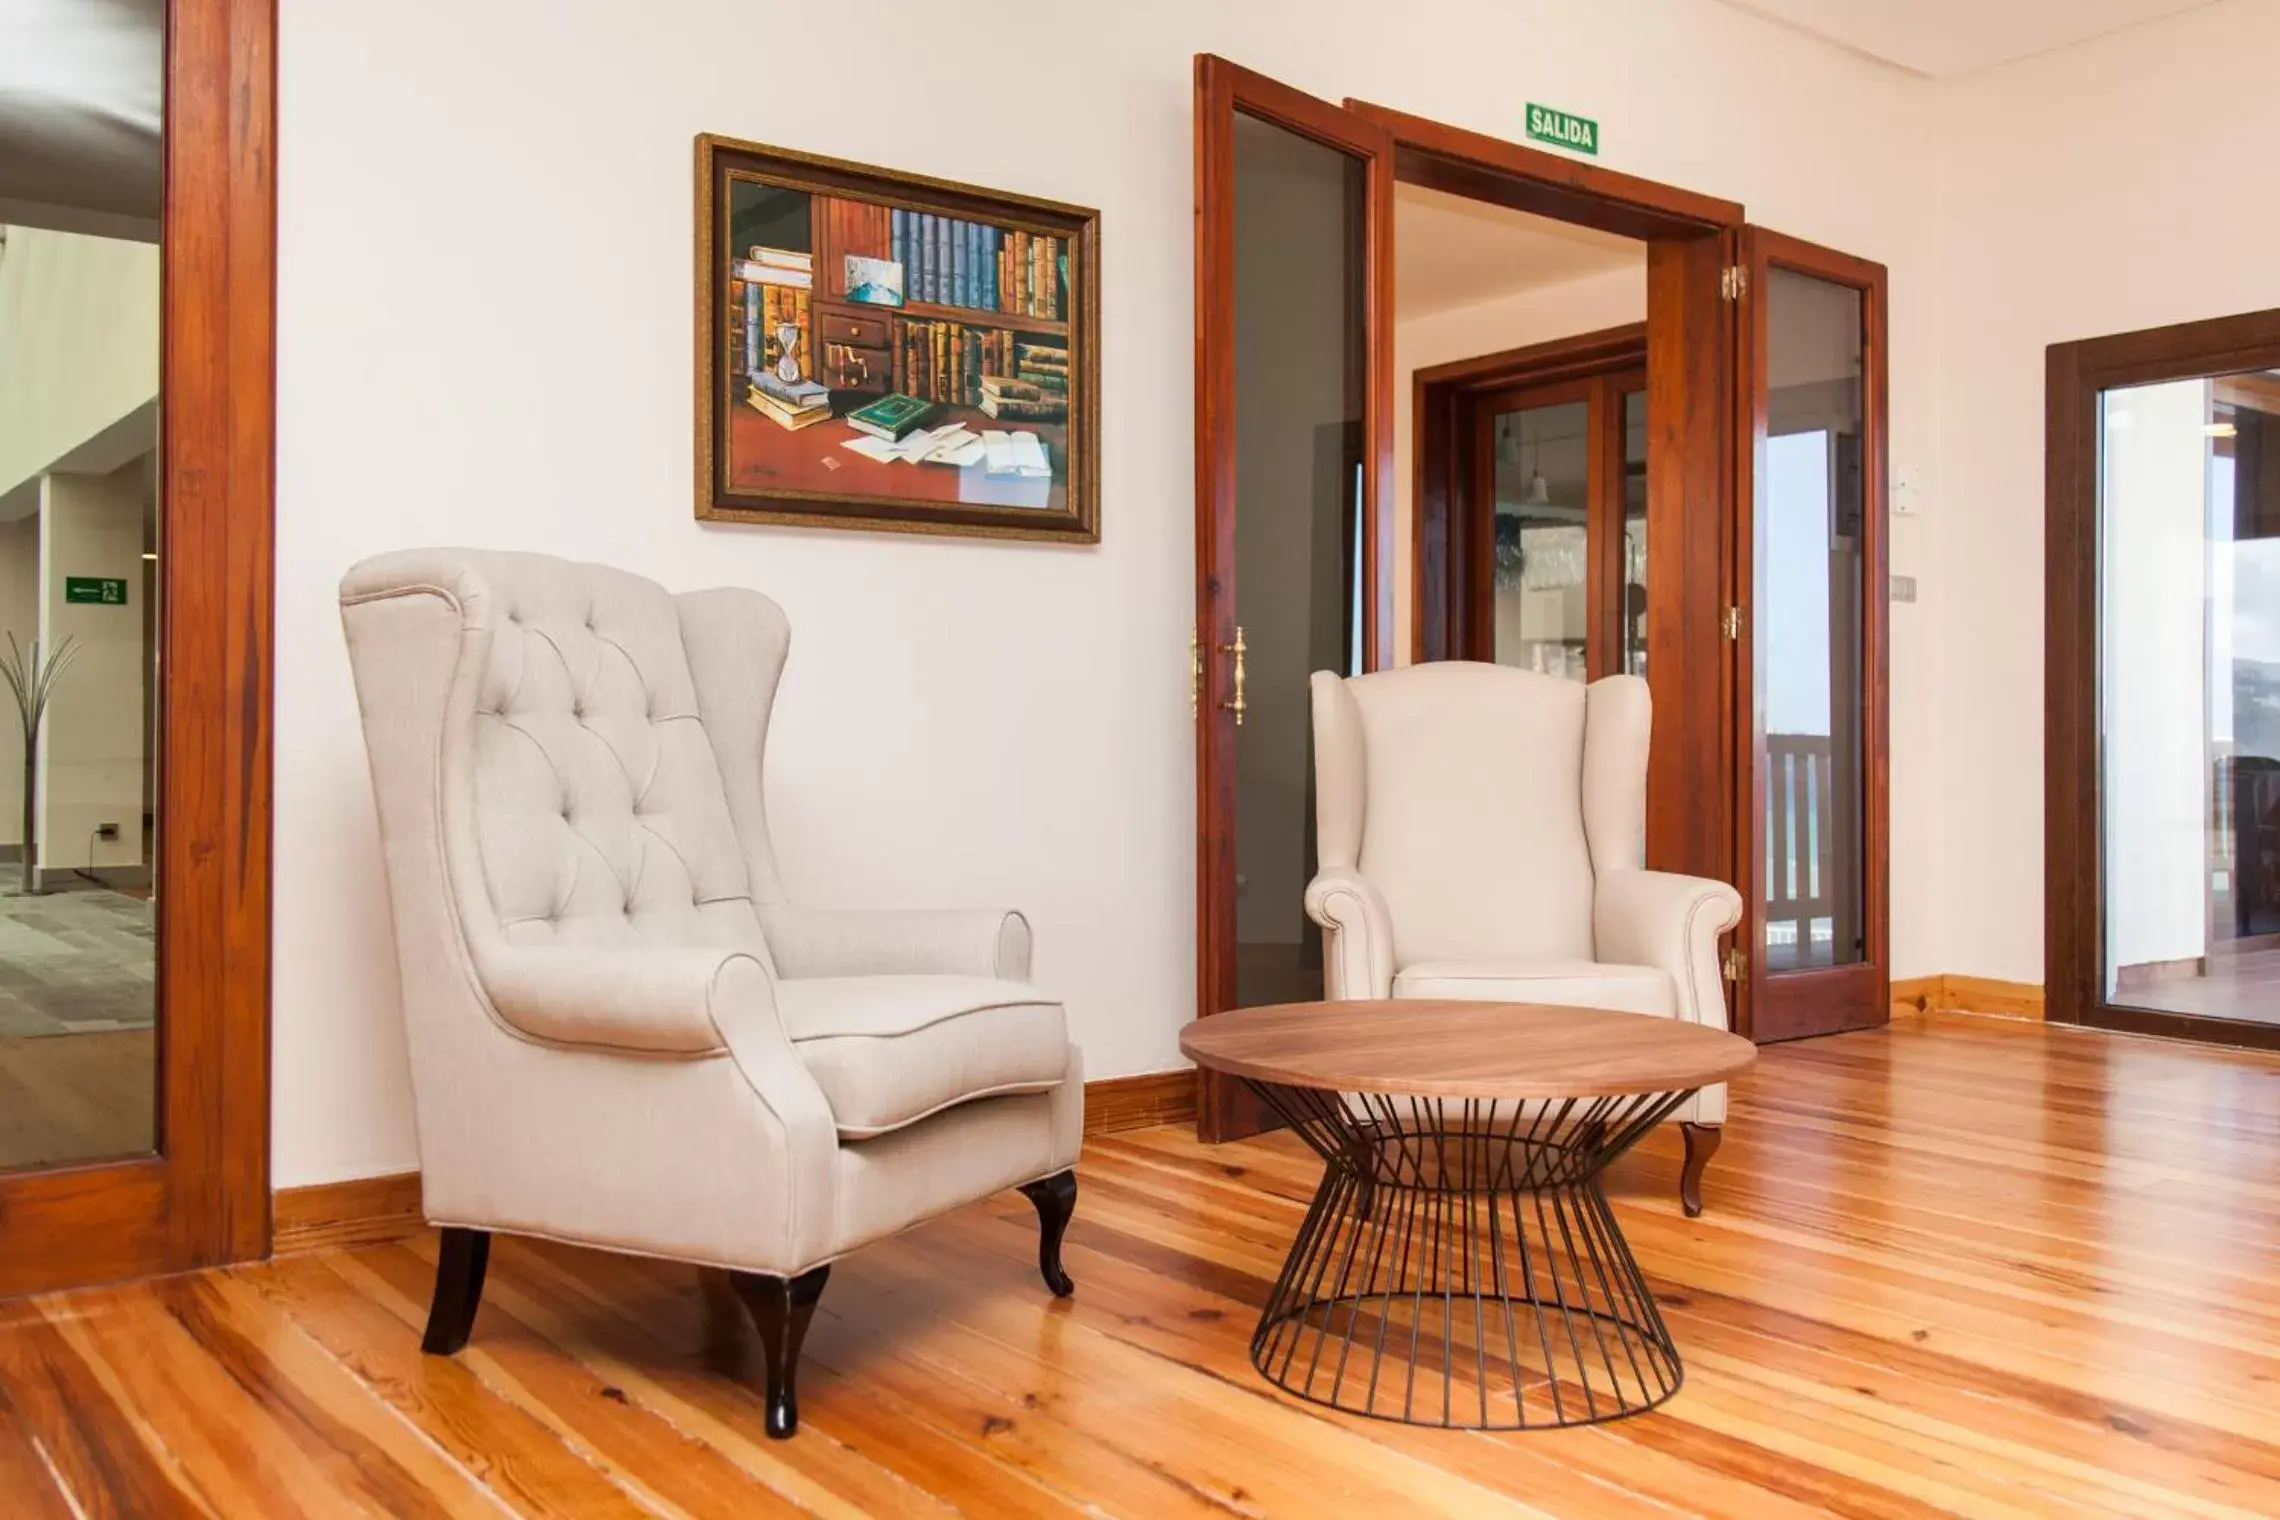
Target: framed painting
[(887, 351)]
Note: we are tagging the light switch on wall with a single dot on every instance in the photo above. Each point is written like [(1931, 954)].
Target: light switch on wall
[(1907, 495), (1903, 588)]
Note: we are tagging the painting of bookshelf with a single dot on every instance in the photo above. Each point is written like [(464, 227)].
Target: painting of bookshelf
[(886, 351)]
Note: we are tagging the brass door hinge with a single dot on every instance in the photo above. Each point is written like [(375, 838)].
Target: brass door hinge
[(1733, 282), (1195, 673), (1737, 966), (1730, 622)]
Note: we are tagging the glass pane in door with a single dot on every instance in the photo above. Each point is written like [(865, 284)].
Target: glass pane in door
[(1299, 377), (2189, 678), (1810, 585), (1540, 467), (1634, 610), (79, 494)]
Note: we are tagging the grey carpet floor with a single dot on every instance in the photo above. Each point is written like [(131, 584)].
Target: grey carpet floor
[(76, 960)]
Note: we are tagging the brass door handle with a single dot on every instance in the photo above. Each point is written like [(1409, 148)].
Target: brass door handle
[(1237, 649)]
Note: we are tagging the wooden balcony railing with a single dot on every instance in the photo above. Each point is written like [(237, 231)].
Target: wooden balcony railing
[(1800, 842)]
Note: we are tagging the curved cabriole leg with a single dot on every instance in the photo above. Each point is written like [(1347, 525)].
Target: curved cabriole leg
[(1701, 1144), (781, 1308), (1056, 1200), (460, 1261)]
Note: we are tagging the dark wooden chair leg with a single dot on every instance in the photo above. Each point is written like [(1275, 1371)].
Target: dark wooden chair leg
[(781, 1308), (459, 1265), (1701, 1144), (1056, 1200)]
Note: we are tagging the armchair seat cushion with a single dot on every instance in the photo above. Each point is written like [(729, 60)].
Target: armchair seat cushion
[(1573, 984), (890, 1050)]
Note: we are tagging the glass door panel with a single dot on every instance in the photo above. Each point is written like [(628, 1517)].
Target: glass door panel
[(1299, 395), (2189, 695), (1293, 450), (1538, 480), (1809, 584), (1633, 588), (79, 688)]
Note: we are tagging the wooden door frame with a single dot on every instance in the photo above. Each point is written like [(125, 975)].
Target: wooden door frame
[(203, 1198), (2073, 864), (1448, 531), (1840, 997), (1225, 1107)]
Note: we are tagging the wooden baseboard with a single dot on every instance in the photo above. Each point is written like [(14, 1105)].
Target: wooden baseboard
[(1156, 1097), (367, 1211), (370, 1211), (1954, 993)]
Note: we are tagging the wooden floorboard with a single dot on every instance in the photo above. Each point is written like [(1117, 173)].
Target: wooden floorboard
[(1961, 1266)]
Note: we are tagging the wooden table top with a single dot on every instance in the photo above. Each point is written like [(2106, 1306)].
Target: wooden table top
[(1437, 1048)]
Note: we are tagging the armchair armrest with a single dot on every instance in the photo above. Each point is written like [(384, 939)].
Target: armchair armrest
[(992, 942), (1360, 962), (1654, 918), (661, 1000)]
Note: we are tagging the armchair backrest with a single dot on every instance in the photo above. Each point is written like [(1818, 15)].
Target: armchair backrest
[(1481, 802), (570, 752)]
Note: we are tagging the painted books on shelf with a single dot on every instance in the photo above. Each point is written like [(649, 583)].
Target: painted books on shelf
[(880, 350)]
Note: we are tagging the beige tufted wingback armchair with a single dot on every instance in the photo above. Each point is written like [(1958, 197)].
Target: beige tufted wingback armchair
[(1480, 833), (622, 1035)]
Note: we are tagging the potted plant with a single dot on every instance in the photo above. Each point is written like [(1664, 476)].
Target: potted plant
[(32, 677)]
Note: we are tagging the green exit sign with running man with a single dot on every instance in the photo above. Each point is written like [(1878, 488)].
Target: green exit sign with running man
[(1580, 133), (99, 589)]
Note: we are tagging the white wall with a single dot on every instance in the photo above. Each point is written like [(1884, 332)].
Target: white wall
[(484, 337), (78, 348), (2099, 189), (1609, 299), (91, 745)]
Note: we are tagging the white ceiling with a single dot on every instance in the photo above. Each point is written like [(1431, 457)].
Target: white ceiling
[(81, 84), (1450, 251), (1957, 36)]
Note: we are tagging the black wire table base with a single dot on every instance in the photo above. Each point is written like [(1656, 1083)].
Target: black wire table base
[(1460, 1266)]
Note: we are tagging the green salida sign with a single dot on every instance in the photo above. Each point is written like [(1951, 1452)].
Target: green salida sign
[(1580, 133), (91, 588)]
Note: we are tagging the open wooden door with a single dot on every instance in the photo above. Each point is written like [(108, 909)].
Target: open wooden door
[(1811, 709), (176, 1173), (1294, 468)]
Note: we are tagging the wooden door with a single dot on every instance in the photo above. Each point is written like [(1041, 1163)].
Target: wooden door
[(2161, 787), (1811, 713), (198, 1194), (1693, 778), (1294, 463)]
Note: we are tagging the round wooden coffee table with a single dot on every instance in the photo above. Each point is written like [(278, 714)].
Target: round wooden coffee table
[(1459, 1265)]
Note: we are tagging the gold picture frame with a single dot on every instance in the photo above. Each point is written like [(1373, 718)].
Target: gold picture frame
[(890, 352)]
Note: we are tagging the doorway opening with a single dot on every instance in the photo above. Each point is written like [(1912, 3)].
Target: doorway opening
[(1520, 345), (1300, 270)]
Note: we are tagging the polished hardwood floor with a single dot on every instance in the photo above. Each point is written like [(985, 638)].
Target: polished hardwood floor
[(1963, 1266)]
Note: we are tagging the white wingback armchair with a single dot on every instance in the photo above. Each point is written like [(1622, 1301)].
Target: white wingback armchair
[(1481, 831), (622, 1035)]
